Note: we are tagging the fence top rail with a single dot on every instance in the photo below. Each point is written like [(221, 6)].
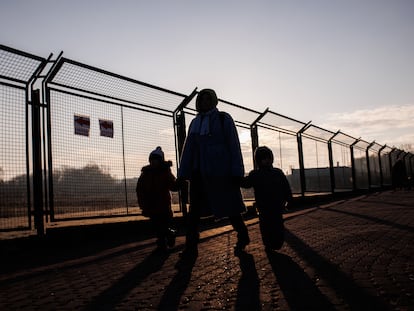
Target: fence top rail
[(318, 133), (118, 76), (239, 113), (375, 147), (279, 122), (77, 76)]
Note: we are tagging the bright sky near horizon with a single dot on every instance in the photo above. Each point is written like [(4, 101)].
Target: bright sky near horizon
[(342, 64)]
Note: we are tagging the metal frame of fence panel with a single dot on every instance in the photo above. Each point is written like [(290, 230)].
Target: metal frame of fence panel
[(17, 72), (385, 164), (360, 164), (74, 148), (407, 163), (341, 165), (102, 127), (374, 170), (279, 133), (316, 159)]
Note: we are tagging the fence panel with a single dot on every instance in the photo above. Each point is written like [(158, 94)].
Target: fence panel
[(17, 68), (361, 169), (285, 150), (385, 166), (102, 129), (374, 165), (341, 155), (279, 132), (143, 131), (13, 160), (316, 159)]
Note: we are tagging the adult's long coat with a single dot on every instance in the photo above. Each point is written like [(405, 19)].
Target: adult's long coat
[(212, 154)]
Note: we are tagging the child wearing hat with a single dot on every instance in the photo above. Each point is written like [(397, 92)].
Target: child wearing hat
[(154, 198), (272, 193)]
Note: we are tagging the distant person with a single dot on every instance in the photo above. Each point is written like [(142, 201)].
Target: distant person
[(213, 163), (272, 193), (399, 174), (154, 198)]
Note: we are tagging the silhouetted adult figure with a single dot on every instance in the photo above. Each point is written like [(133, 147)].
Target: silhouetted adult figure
[(213, 163)]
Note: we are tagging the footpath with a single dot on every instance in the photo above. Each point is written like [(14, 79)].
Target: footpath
[(353, 254)]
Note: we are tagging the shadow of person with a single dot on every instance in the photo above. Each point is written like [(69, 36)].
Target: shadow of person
[(170, 300), (248, 291), (108, 299), (298, 289)]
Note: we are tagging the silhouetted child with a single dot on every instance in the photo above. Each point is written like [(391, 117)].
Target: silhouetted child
[(272, 193), (154, 198)]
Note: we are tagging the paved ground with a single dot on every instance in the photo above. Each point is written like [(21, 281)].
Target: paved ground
[(355, 254)]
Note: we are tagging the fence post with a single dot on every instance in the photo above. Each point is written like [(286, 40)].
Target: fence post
[(354, 185), (380, 165), (180, 136), (255, 141), (37, 164), (255, 135), (331, 164), (301, 160), (368, 164)]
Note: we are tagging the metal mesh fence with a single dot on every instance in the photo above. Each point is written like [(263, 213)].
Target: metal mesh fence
[(361, 168), (76, 76), (285, 152), (341, 155), (385, 166), (16, 70), (102, 127), (17, 67), (374, 165), (13, 164)]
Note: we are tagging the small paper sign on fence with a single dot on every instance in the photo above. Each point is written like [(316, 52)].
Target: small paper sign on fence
[(82, 125), (106, 128)]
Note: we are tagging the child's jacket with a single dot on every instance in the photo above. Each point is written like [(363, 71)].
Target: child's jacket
[(153, 190)]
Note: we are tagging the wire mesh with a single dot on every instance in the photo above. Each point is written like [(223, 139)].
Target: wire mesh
[(385, 166), (317, 133), (374, 165), (282, 123), (361, 169), (285, 151), (78, 77), (17, 67), (316, 164), (143, 132), (341, 158), (13, 163), (96, 175)]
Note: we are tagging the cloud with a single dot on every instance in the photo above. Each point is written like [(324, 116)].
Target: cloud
[(391, 125)]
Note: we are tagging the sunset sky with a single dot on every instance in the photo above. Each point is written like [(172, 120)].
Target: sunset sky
[(342, 64)]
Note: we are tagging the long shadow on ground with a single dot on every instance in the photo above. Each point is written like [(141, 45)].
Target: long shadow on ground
[(356, 297)]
